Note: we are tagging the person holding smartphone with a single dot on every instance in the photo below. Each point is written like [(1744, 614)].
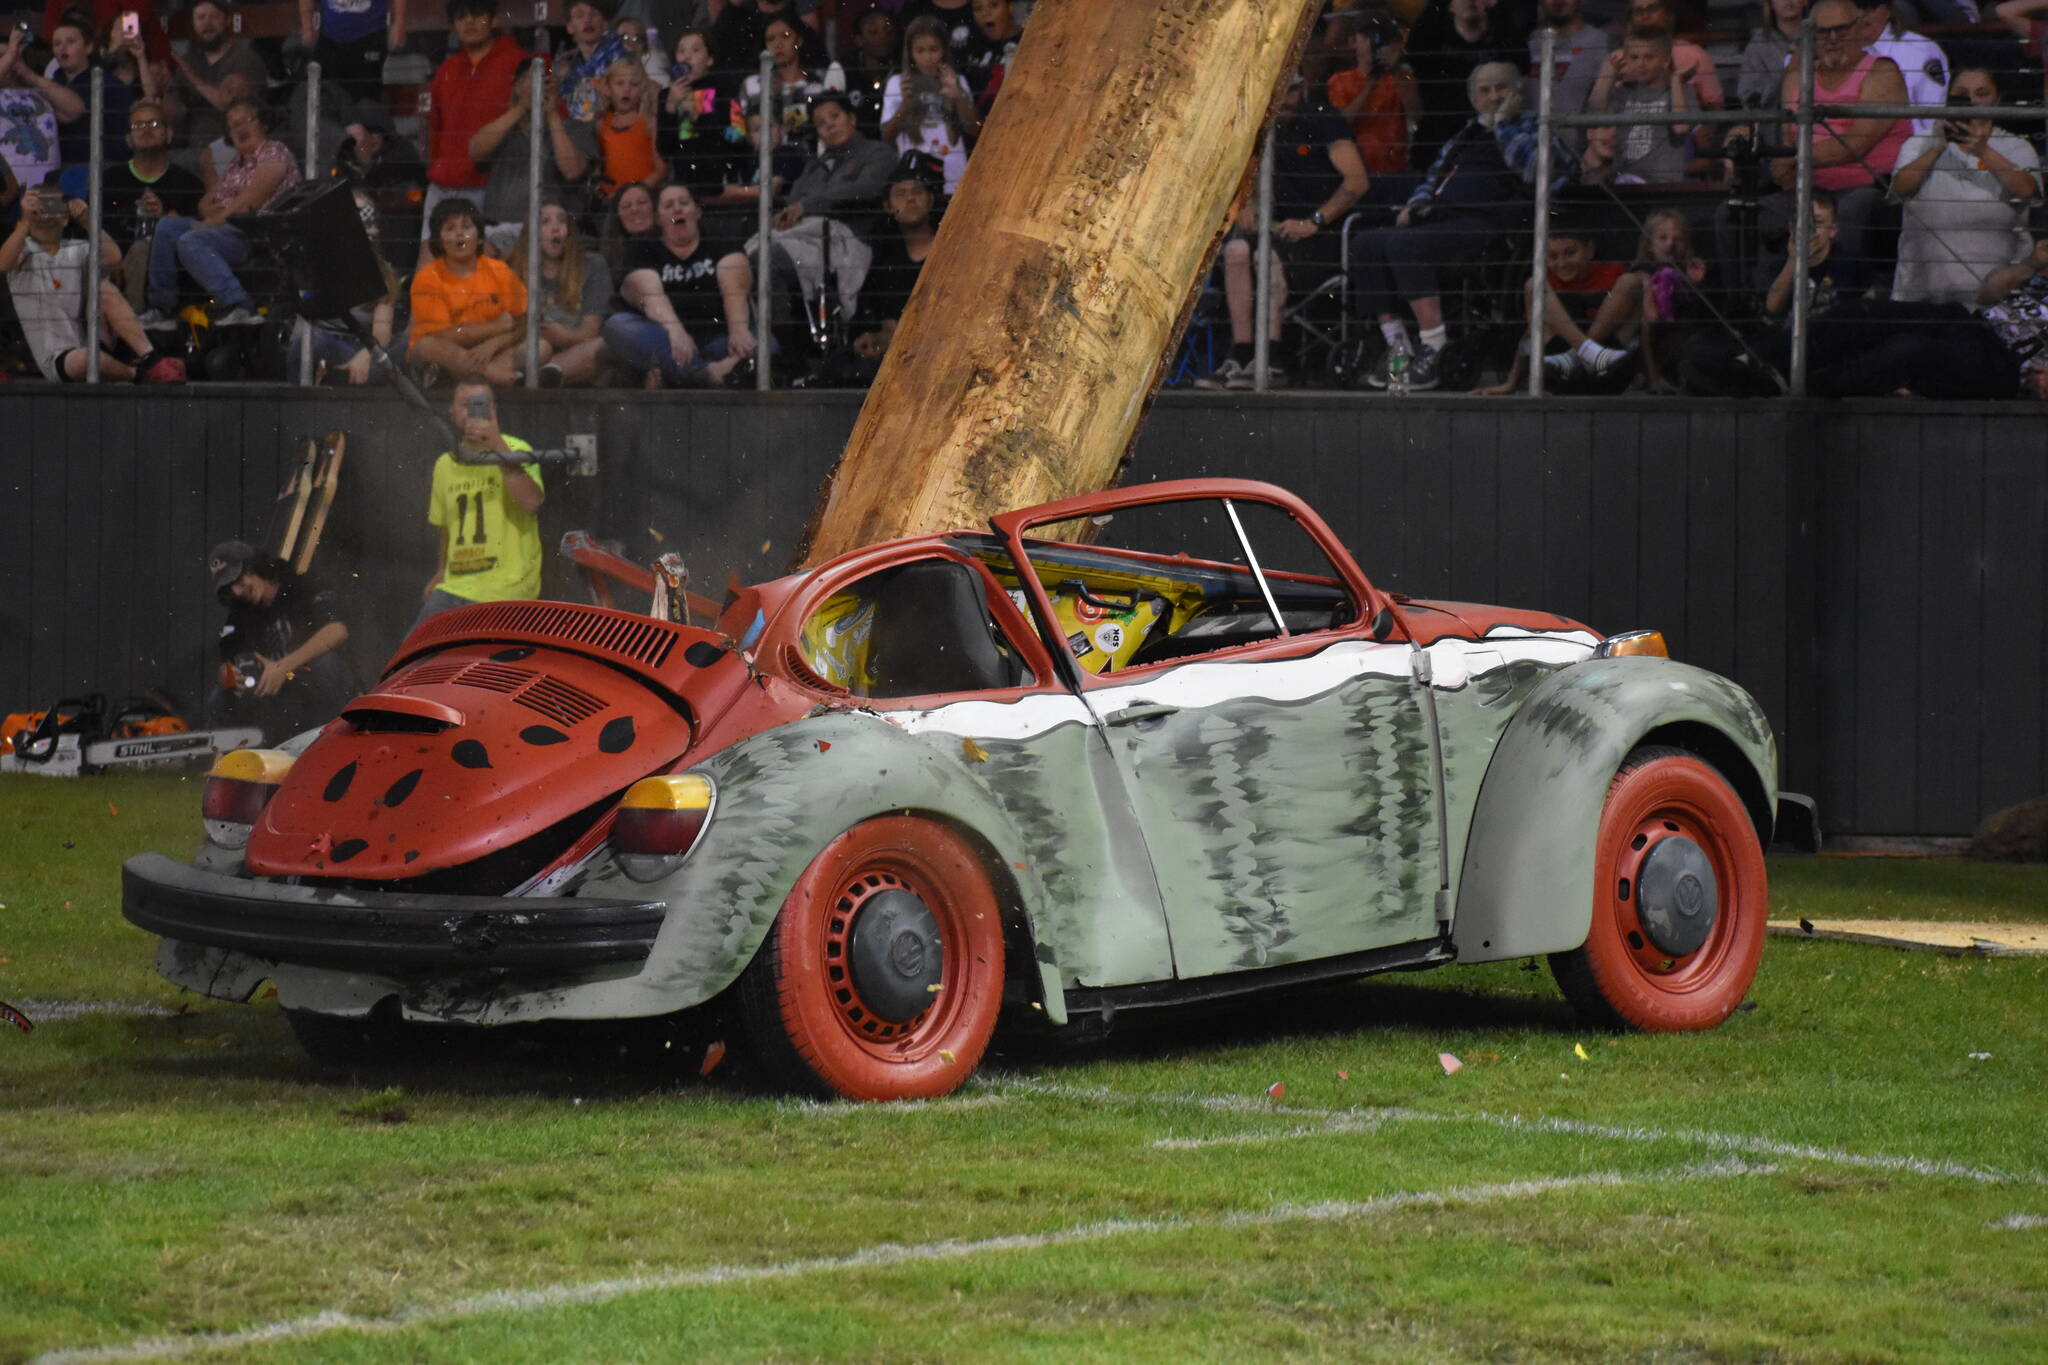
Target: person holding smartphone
[(485, 505), (1966, 185)]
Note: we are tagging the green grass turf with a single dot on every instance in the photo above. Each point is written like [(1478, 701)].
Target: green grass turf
[(192, 1172)]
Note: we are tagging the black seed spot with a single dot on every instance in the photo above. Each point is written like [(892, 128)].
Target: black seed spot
[(617, 736), (470, 753), (513, 655), (411, 853), (542, 734), (337, 785), (347, 849), (402, 788), (702, 654)]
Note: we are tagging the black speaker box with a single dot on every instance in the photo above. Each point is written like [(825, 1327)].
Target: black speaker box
[(315, 237)]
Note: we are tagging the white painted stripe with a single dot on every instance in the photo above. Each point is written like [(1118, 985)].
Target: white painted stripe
[(56, 1011), (515, 1301), (2021, 1222), (1729, 1142)]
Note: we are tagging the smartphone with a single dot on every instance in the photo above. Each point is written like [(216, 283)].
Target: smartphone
[(131, 25), (480, 407)]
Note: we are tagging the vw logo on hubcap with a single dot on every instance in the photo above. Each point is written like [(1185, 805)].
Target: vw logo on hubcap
[(1677, 898)]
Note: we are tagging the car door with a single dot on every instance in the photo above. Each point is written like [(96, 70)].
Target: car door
[(1278, 757)]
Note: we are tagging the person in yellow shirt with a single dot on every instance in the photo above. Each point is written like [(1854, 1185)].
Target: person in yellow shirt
[(486, 506)]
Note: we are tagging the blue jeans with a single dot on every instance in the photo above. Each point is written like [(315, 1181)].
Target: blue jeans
[(208, 254), (640, 346)]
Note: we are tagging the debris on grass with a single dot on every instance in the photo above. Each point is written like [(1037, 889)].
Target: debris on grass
[(1980, 1056), (713, 1055), (16, 1017), (1343, 1075), (1579, 1051), (1451, 1065), (1277, 1091)]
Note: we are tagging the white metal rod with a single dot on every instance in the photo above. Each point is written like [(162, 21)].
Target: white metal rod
[(535, 285), (312, 173), (1262, 268), (1802, 217), (764, 223), (97, 166), (1539, 267)]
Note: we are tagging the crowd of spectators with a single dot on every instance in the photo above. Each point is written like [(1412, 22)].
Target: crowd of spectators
[(1406, 152)]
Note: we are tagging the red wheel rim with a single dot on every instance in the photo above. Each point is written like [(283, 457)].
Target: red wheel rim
[(1659, 969), (859, 1020), (837, 1035)]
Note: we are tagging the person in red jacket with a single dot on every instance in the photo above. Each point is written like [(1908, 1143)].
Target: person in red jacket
[(472, 87)]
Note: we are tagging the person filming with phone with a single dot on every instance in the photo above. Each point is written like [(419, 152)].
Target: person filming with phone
[(1966, 185), (485, 504)]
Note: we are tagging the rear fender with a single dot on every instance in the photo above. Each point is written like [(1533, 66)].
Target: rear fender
[(786, 793), (1526, 886)]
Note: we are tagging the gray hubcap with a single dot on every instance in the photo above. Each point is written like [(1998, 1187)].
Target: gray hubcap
[(1676, 895), (894, 955)]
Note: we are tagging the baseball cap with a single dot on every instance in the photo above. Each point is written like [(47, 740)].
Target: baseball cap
[(227, 561)]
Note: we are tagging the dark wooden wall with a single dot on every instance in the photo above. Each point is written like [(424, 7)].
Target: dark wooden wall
[(1874, 576)]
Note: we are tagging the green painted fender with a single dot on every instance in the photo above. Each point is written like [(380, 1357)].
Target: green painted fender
[(1526, 886), (786, 793)]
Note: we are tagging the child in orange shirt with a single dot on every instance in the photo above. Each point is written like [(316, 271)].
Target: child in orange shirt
[(625, 133), (468, 309)]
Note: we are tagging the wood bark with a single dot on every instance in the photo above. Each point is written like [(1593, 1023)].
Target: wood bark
[(1067, 264)]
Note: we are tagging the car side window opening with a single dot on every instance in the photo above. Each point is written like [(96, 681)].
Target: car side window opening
[(912, 630), (1168, 581)]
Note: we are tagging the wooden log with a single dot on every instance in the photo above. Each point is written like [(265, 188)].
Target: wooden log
[(1067, 265)]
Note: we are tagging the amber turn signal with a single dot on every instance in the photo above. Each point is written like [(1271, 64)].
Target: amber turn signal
[(660, 821), (1638, 643)]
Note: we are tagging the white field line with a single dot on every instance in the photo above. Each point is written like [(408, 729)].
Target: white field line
[(1361, 1119), (2021, 1222), (883, 1255), (57, 1011)]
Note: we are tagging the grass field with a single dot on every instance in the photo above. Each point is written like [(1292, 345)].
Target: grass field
[(1855, 1169)]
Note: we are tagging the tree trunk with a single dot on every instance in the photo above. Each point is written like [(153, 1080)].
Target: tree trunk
[(1067, 264)]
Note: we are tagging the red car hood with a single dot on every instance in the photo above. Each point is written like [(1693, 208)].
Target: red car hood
[(463, 752)]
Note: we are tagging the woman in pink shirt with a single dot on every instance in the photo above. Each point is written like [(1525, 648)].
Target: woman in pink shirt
[(210, 247), (1849, 154)]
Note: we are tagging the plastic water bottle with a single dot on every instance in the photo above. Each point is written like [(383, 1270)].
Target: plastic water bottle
[(1399, 357)]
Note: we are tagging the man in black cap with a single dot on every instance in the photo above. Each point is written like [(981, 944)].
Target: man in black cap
[(282, 668)]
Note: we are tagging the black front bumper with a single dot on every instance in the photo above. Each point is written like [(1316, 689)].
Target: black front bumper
[(381, 931)]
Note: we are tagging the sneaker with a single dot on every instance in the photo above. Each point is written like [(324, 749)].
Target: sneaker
[(1243, 378), (551, 376), (1610, 362), (163, 369), (1563, 365), (1422, 371), (1277, 378), (241, 315), (1224, 376), (156, 320)]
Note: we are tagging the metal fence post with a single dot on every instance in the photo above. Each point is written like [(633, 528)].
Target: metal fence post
[(312, 172), (536, 92), (96, 164), (1262, 270), (1539, 266), (764, 223), (1802, 217)]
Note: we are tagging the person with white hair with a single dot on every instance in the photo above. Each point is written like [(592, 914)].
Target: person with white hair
[(1476, 190)]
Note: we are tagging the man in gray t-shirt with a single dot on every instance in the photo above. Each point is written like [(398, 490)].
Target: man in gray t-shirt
[(1640, 79), (216, 70), (500, 149)]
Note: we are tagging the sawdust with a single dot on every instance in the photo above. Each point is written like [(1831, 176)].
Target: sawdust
[(1981, 937)]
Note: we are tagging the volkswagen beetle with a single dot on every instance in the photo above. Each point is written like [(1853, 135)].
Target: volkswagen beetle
[(1119, 751)]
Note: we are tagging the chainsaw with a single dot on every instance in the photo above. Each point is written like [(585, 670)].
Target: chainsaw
[(79, 736)]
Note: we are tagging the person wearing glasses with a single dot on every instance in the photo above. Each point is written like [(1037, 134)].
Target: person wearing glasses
[(135, 194), (209, 248), (1851, 156)]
